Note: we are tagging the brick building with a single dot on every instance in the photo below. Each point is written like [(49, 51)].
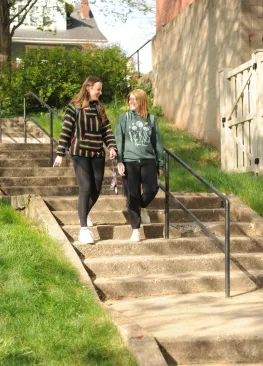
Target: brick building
[(166, 10)]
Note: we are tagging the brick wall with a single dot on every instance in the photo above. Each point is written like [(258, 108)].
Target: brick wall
[(166, 10)]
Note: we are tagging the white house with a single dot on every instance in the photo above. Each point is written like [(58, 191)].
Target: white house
[(47, 25)]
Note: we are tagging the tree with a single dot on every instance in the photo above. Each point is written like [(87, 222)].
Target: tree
[(11, 18), (7, 29)]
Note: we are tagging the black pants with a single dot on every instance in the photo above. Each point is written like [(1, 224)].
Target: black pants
[(141, 173), (89, 173)]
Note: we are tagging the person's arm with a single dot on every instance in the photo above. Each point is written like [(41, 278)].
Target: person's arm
[(108, 136), (159, 147), (66, 133), (67, 130), (120, 137)]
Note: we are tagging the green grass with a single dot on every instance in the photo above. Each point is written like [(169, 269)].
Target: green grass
[(47, 317), (203, 158)]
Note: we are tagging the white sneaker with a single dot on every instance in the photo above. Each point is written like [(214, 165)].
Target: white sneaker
[(145, 218), (89, 222), (85, 236), (135, 235)]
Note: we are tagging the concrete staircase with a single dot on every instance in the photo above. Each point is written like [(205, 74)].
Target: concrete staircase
[(25, 168), (12, 131), (173, 288)]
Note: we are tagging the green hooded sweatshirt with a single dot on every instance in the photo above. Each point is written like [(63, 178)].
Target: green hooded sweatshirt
[(138, 139)]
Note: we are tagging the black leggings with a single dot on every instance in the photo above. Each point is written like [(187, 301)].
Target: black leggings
[(89, 173), (139, 173)]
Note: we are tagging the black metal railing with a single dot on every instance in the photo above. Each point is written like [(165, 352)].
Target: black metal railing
[(137, 52), (225, 247), (0, 123), (52, 112)]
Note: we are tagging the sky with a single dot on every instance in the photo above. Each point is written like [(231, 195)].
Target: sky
[(131, 35)]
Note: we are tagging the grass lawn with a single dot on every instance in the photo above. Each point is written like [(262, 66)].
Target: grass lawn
[(47, 317)]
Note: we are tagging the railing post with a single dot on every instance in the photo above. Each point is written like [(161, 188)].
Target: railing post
[(138, 64), (0, 123), (25, 120), (257, 138), (51, 137), (225, 106), (227, 248), (167, 178)]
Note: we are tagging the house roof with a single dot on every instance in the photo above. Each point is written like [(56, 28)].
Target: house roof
[(80, 31)]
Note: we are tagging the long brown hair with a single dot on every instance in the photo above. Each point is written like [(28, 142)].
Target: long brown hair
[(142, 101), (82, 99)]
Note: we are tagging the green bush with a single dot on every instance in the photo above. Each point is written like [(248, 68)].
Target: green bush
[(56, 74)]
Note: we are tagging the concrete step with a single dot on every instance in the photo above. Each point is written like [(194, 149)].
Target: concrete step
[(179, 283), (24, 163), (119, 203), (24, 147), (179, 246), (17, 138), (56, 181), (201, 329), (34, 154), (16, 121), (121, 217), (42, 171), (50, 190), (170, 264), (217, 228), (14, 128), (37, 171), (50, 180), (104, 232), (156, 230)]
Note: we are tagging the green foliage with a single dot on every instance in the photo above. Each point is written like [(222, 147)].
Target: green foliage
[(56, 75), (69, 8)]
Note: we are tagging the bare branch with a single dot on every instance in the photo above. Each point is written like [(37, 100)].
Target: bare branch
[(26, 9)]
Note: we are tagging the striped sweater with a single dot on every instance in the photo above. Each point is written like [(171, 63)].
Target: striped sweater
[(85, 132)]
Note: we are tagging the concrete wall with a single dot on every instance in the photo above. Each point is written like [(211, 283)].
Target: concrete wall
[(189, 51)]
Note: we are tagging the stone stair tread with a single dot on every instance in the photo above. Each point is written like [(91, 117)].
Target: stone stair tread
[(115, 242), (169, 257), (174, 264), (188, 316), (76, 226), (150, 210), (34, 171), (161, 246), (167, 277)]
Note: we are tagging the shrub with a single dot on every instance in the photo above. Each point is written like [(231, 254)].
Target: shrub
[(56, 74)]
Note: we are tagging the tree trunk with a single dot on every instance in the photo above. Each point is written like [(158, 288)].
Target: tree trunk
[(5, 38)]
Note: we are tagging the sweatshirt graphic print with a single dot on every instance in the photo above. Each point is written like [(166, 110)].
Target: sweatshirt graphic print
[(140, 133)]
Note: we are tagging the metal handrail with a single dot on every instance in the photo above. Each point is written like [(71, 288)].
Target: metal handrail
[(0, 122), (225, 247), (138, 56), (51, 113)]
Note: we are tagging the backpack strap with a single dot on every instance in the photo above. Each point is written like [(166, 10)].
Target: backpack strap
[(152, 120)]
